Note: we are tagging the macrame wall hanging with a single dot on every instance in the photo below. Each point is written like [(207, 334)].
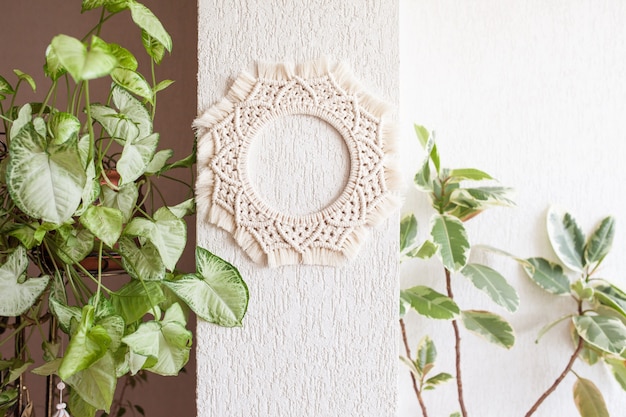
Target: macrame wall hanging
[(326, 91)]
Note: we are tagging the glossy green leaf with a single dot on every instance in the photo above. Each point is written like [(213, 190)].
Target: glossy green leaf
[(148, 22), (493, 284), (567, 239), (125, 59), (88, 343), (183, 209), (53, 68), (451, 238), (158, 161), (424, 136), (16, 294), (133, 81), (154, 48), (216, 293), (611, 296), (408, 233), (24, 117), (123, 199), (135, 158), (440, 378), (588, 399), (430, 303), (96, 384), (79, 407), (137, 298), (8, 397), (111, 5), (162, 85), (142, 262), (5, 87), (618, 369), (547, 275), (25, 77), (167, 340), (600, 241), (45, 181), (489, 326), (167, 233), (73, 244), (104, 222), (81, 63), (423, 178), (472, 174), (605, 333), (426, 355), (64, 313), (48, 368), (133, 110), (63, 127)]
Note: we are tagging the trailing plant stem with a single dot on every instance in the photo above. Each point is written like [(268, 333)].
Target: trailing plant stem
[(457, 349), (560, 378), (407, 349)]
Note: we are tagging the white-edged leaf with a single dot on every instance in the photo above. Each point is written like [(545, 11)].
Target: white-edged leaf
[(618, 369), (600, 241), (489, 326), (605, 333), (493, 284), (408, 233), (548, 275), (473, 174), (588, 399), (216, 293), (430, 303), (16, 297), (611, 296), (426, 355), (146, 20), (566, 238), (449, 235)]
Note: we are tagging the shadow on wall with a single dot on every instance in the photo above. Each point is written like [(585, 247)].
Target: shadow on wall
[(26, 31)]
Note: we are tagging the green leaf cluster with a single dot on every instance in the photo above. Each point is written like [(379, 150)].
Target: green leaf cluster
[(81, 202), (599, 322), (456, 195)]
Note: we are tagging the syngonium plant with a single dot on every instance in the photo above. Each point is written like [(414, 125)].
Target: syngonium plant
[(456, 195), (78, 181)]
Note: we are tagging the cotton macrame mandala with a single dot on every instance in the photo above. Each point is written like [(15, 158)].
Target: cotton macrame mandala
[(226, 130)]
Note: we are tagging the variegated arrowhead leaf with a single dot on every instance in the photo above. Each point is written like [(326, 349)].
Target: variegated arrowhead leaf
[(15, 296)]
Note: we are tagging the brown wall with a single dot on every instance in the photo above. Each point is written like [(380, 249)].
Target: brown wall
[(26, 30)]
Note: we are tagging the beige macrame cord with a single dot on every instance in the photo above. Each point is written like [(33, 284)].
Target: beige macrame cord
[(320, 89)]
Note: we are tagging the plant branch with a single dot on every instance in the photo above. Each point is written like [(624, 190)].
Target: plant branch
[(556, 383), (567, 369), (407, 349), (457, 349)]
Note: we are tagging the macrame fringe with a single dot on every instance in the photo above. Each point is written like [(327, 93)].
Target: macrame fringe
[(250, 245)]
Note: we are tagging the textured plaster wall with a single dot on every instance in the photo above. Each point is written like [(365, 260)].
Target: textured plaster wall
[(533, 92), (317, 341)]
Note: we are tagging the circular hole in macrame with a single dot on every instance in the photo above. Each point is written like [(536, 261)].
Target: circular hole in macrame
[(297, 164), (226, 131)]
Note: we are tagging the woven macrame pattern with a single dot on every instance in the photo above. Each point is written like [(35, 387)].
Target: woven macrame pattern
[(227, 129)]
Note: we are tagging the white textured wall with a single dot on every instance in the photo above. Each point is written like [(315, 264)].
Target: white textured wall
[(533, 92), (317, 341)]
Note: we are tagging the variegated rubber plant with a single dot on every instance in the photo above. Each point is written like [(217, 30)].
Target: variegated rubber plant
[(598, 319), (78, 181), (457, 195)]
